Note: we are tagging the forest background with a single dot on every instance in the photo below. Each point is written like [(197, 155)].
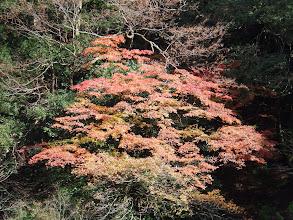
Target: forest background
[(146, 109)]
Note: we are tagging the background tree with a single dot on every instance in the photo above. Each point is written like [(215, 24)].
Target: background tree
[(260, 37), (175, 29)]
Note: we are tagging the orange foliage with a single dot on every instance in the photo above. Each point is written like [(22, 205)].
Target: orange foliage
[(106, 48), (145, 118), (153, 118), (110, 41), (239, 144), (60, 156), (153, 121)]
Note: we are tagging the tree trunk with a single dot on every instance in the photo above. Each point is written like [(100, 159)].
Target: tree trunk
[(77, 18)]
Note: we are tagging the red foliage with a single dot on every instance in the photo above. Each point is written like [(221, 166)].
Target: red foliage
[(239, 144), (107, 49), (153, 114), (110, 41), (60, 156)]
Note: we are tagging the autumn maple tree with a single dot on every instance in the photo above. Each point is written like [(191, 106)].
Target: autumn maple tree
[(170, 130)]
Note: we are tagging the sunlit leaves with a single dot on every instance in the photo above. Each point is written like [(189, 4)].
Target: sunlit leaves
[(154, 115)]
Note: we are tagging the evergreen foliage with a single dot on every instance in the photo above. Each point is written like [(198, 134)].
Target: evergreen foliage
[(260, 38)]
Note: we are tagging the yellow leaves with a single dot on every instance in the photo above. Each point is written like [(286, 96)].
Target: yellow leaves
[(112, 125), (215, 198), (192, 132), (102, 109), (120, 168), (120, 65)]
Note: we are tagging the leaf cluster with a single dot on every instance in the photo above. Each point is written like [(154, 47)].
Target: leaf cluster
[(142, 127)]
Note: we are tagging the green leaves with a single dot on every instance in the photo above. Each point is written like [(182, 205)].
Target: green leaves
[(10, 130)]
